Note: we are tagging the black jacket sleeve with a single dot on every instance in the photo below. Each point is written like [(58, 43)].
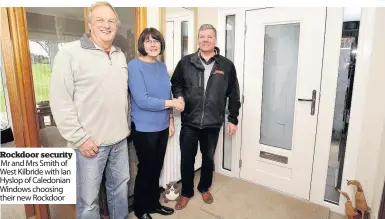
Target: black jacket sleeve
[(177, 81), (233, 94)]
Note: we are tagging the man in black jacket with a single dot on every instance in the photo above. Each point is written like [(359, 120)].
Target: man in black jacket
[(204, 80)]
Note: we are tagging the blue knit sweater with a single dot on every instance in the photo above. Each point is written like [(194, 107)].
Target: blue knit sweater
[(149, 86)]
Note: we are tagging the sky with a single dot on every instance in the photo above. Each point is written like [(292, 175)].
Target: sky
[(35, 48)]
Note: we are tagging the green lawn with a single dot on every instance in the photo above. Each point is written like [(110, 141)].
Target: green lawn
[(2, 99), (41, 81)]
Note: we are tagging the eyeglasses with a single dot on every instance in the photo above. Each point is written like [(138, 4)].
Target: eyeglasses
[(151, 42)]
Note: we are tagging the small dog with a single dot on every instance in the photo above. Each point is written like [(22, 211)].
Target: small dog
[(172, 192)]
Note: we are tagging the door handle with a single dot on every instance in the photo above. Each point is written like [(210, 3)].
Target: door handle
[(312, 100)]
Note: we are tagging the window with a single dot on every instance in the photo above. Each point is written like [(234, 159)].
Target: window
[(7, 137), (48, 30), (4, 118)]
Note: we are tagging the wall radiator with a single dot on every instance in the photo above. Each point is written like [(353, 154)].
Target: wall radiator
[(171, 165)]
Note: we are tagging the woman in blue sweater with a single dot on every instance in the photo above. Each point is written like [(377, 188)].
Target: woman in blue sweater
[(152, 120)]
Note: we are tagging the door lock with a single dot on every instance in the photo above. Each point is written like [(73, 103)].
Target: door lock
[(312, 100)]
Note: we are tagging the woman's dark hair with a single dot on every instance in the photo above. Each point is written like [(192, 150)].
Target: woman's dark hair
[(145, 35)]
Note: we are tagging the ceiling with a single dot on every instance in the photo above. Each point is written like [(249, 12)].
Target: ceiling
[(352, 13)]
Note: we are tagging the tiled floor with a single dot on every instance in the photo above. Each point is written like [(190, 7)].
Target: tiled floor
[(237, 199), (233, 199)]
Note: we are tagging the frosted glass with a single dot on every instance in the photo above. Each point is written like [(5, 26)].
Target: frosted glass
[(279, 84)]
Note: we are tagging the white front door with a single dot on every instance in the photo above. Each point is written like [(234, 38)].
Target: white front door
[(282, 74)]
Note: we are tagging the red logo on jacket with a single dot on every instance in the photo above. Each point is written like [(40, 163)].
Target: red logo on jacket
[(219, 72)]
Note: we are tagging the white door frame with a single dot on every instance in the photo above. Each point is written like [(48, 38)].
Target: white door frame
[(238, 62), (326, 110), (326, 106)]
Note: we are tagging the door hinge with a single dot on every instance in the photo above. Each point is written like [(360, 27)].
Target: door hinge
[(243, 99), (240, 163), (245, 28)]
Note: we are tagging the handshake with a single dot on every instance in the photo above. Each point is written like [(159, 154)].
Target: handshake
[(178, 104)]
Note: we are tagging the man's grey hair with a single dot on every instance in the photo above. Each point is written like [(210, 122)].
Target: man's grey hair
[(101, 3), (207, 27)]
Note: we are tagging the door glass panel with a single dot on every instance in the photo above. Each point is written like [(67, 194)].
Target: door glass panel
[(229, 53), (279, 84), (230, 37), (184, 38)]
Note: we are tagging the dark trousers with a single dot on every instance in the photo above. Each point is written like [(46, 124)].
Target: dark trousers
[(208, 139), (150, 148)]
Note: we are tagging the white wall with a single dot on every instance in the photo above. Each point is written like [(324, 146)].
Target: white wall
[(207, 16), (177, 10), (379, 181), (153, 18)]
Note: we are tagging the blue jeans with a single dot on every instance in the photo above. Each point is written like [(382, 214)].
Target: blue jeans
[(114, 159)]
